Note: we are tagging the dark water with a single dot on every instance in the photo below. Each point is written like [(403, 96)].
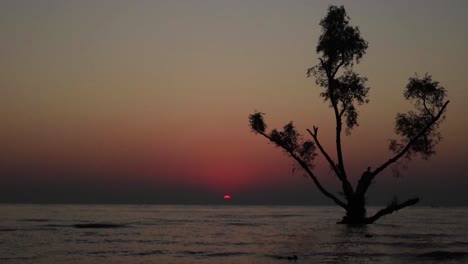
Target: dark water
[(226, 234)]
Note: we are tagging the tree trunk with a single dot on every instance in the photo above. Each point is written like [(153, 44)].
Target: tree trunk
[(355, 211)]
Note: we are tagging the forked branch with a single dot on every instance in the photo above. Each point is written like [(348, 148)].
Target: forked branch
[(348, 189), (323, 151), (308, 171)]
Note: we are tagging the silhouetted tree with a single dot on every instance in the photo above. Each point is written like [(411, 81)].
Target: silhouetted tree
[(340, 46)]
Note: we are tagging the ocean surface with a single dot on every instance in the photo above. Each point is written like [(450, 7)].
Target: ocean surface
[(226, 234)]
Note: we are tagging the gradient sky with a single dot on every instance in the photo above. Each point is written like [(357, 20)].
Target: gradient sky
[(147, 101)]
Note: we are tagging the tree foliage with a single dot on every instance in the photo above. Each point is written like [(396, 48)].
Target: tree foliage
[(340, 47), (428, 98), (340, 44), (289, 139)]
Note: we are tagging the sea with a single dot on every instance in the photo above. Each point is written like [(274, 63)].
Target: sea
[(227, 234)]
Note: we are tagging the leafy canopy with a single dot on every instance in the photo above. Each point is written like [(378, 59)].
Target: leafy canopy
[(428, 98), (340, 46)]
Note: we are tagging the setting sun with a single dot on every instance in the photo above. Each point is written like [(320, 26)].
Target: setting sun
[(227, 197)]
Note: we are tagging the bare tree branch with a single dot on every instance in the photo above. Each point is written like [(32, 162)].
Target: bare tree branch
[(412, 141), (338, 67), (390, 209), (427, 109), (325, 67), (348, 189), (323, 151), (364, 182), (339, 126), (310, 173)]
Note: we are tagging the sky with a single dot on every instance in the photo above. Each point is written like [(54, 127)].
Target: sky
[(148, 101)]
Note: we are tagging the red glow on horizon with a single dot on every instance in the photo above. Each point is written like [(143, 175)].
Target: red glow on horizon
[(227, 197)]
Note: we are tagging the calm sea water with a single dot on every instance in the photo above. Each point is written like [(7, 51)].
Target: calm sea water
[(226, 234)]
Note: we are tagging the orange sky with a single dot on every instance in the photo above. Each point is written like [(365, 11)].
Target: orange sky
[(158, 92)]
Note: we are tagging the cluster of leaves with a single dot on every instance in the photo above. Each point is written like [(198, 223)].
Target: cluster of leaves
[(428, 98), (340, 46), (350, 88), (288, 139), (340, 43)]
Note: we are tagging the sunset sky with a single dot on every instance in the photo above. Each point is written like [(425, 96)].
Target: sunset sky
[(148, 101)]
